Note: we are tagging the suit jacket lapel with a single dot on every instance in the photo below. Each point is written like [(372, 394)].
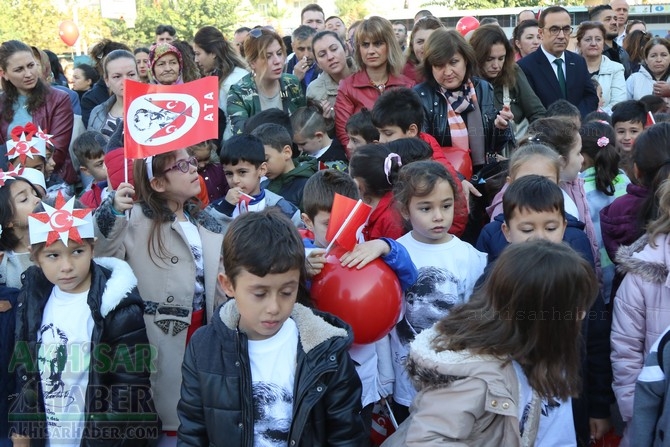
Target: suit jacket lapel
[(571, 70), (548, 72)]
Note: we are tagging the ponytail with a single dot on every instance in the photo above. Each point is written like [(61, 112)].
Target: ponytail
[(377, 167), (598, 142)]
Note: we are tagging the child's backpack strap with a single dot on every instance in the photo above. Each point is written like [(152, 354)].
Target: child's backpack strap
[(661, 346)]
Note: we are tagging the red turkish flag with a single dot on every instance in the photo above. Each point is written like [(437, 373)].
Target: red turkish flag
[(347, 217), (163, 118)]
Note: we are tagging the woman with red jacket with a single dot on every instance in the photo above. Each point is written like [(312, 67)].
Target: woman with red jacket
[(380, 62), (26, 98)]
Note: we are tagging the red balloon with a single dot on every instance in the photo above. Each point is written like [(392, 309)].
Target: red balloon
[(369, 299), (467, 24), (68, 32)]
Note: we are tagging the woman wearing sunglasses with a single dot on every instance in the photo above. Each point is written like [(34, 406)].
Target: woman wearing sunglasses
[(267, 86), (380, 63), (173, 249)]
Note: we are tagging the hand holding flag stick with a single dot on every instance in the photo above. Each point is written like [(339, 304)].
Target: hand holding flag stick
[(347, 217)]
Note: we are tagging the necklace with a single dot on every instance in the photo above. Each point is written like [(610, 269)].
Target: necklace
[(380, 87)]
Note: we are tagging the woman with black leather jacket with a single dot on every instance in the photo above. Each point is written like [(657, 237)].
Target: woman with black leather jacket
[(459, 109)]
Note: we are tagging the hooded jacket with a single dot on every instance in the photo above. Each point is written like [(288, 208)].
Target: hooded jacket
[(619, 221), (7, 324), (118, 332), (216, 403), (492, 240), (641, 313), (611, 78), (291, 184), (482, 392)]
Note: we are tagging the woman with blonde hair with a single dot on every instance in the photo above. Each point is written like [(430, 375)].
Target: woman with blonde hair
[(380, 63)]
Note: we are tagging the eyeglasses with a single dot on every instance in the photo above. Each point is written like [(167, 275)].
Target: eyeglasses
[(555, 30), (183, 165)]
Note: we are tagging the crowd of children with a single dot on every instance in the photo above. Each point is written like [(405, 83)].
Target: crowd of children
[(170, 303)]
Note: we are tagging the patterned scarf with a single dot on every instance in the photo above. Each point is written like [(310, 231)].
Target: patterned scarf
[(459, 102)]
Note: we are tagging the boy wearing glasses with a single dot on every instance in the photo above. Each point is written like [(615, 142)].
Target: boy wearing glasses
[(555, 73)]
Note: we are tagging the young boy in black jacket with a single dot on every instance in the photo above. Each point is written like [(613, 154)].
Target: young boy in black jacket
[(268, 368), (82, 358)]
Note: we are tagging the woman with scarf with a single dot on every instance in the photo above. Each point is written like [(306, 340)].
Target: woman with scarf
[(459, 109), (166, 64)]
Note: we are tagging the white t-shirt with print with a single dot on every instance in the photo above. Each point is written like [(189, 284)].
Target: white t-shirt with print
[(195, 242), (64, 358), (447, 273), (556, 427), (273, 362)]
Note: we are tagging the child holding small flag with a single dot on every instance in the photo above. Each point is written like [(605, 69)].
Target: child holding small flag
[(174, 250), (243, 161), (76, 320), (326, 192)]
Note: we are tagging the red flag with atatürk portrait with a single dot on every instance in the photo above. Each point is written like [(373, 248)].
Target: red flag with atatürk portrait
[(163, 118)]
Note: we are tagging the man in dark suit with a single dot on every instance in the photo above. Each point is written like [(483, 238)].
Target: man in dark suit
[(555, 73)]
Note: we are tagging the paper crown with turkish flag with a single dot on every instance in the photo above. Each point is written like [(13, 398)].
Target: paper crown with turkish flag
[(61, 222), (12, 173), (27, 141)]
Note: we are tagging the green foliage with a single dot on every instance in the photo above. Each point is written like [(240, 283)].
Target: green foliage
[(351, 10), (34, 22), (187, 16)]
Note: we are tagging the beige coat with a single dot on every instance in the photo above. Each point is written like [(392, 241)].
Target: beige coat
[(463, 400), (166, 286)]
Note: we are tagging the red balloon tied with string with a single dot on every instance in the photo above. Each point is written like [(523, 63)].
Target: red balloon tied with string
[(466, 25), (369, 299), (68, 32)]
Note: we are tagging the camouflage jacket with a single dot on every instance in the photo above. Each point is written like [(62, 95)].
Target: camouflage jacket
[(243, 100)]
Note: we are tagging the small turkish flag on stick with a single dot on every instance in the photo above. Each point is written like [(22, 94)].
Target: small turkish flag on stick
[(345, 222)]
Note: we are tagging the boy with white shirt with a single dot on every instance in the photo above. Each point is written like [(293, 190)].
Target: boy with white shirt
[(82, 358), (281, 374)]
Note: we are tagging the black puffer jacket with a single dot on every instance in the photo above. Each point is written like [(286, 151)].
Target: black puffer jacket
[(119, 407), (435, 119), (216, 407)]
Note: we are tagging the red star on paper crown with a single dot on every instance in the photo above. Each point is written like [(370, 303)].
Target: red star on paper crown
[(42, 134), (10, 174), (25, 146), (62, 222)]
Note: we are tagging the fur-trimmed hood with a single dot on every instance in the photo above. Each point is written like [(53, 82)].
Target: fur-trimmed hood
[(428, 368), (314, 329), (119, 285), (650, 263)]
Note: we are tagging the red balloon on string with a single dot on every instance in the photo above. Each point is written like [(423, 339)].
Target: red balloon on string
[(68, 32), (467, 24), (369, 299)]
